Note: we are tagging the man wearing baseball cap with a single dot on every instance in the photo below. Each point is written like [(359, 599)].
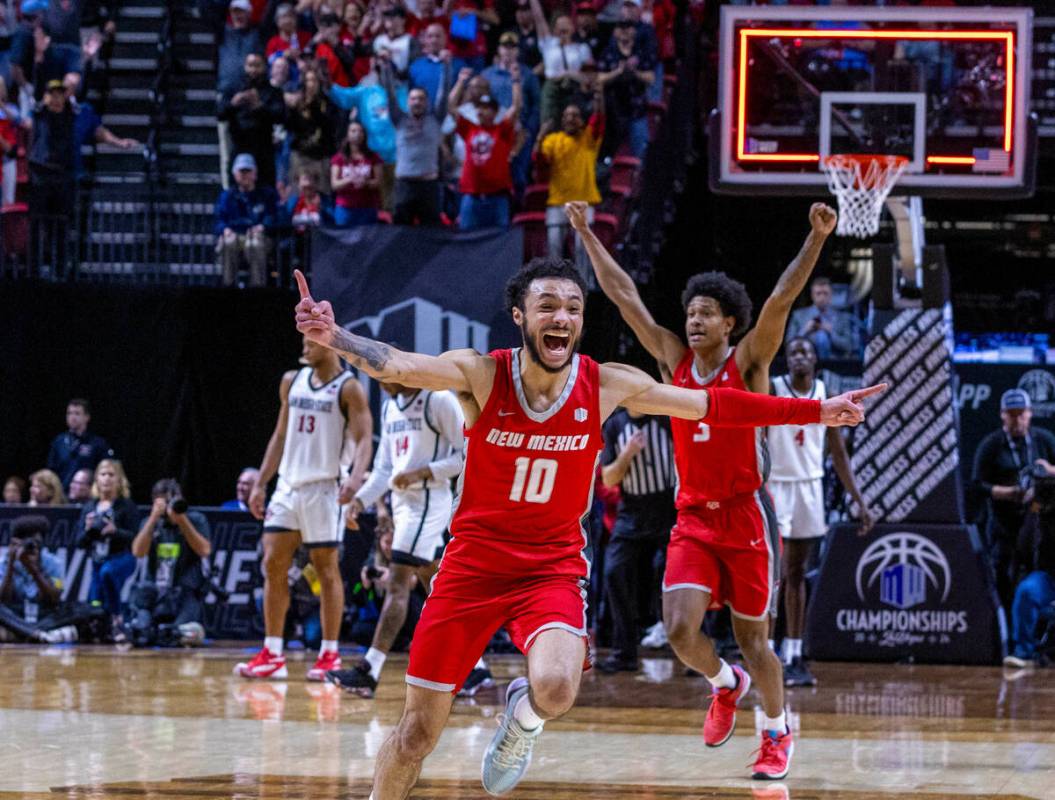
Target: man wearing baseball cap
[(1004, 466), (500, 78), (51, 165), (245, 215), (486, 182)]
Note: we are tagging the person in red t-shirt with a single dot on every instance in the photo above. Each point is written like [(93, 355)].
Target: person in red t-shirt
[(287, 40), (486, 179), (326, 44), (355, 175), (428, 13), (355, 42)]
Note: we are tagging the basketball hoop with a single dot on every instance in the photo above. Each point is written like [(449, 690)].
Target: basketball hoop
[(861, 183)]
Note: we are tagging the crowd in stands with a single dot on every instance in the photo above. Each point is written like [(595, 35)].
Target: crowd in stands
[(421, 112), (51, 55)]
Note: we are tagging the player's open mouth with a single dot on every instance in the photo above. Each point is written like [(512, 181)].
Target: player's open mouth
[(556, 343)]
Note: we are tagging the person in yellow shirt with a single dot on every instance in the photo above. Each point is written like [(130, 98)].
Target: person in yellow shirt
[(571, 154)]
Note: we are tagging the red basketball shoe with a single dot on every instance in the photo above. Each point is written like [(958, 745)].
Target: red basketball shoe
[(264, 665), (327, 660), (721, 716), (774, 756)]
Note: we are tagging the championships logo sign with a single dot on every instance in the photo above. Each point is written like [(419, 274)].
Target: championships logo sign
[(902, 570)]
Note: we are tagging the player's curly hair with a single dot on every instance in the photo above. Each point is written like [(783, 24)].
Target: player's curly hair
[(542, 267), (731, 296)]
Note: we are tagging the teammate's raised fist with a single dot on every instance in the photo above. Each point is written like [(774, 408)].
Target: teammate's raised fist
[(576, 213), (314, 320), (823, 218)]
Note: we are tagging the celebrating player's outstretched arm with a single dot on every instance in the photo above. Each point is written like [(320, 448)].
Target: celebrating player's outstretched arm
[(630, 387), (315, 319)]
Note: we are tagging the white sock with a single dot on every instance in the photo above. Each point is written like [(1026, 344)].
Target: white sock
[(772, 644), (725, 679), (525, 715), (273, 644), (376, 659), (778, 723), (481, 664), (328, 646), (792, 649)]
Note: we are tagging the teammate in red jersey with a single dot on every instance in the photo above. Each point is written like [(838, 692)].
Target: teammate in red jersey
[(517, 557), (725, 547)]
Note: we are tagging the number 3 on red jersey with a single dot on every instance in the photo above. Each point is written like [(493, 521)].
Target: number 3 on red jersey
[(533, 480)]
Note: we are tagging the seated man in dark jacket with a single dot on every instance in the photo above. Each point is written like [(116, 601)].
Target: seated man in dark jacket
[(245, 215), (167, 607)]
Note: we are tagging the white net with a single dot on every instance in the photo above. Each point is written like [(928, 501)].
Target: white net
[(861, 183)]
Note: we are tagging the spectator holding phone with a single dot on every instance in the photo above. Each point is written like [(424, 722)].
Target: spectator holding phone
[(831, 332)]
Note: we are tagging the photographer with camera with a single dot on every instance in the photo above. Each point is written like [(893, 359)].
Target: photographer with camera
[(1035, 595), (1004, 468), (167, 607), (30, 579), (31, 605), (106, 527)]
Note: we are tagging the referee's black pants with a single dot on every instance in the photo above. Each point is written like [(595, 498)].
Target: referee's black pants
[(633, 569)]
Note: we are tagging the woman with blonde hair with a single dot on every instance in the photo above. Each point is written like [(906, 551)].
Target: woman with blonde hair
[(45, 489), (108, 524)]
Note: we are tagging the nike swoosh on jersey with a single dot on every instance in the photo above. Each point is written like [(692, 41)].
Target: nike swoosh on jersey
[(506, 413)]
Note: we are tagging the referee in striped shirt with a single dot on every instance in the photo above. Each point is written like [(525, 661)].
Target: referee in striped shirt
[(639, 458)]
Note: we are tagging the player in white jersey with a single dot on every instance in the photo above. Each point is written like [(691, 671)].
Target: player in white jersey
[(796, 483), (323, 412), (420, 452)]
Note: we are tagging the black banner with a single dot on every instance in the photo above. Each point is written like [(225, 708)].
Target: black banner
[(905, 591), (426, 290), (233, 566)]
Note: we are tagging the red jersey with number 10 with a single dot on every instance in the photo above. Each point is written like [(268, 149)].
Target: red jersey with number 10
[(714, 464), (528, 478)]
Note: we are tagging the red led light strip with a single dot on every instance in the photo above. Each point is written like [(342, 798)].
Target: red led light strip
[(810, 33)]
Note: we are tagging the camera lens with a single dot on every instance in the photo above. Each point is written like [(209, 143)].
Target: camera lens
[(178, 506)]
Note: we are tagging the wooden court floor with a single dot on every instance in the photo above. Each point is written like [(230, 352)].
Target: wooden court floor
[(93, 723)]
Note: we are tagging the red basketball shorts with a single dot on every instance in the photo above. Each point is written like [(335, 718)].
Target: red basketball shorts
[(730, 550), (464, 610)]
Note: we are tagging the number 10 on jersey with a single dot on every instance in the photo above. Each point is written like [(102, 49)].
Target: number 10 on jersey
[(533, 480)]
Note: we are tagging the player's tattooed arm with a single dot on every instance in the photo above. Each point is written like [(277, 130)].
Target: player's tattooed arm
[(315, 319), (360, 351)]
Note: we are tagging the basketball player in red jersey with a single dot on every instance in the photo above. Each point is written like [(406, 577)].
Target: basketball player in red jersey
[(517, 557), (725, 547)]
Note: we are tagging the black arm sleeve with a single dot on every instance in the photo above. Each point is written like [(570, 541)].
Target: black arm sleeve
[(984, 472)]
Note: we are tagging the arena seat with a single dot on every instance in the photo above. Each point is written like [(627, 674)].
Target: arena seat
[(533, 224), (535, 197), (606, 226), (15, 221), (624, 171)]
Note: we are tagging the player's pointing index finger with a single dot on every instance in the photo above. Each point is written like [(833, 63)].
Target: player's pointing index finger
[(868, 391), (302, 284)]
